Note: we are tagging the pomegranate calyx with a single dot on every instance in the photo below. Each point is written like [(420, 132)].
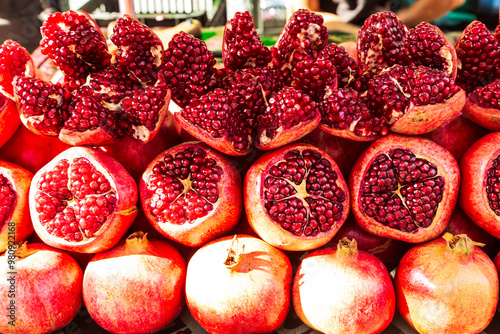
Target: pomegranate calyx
[(347, 247), (136, 243), (234, 253), (461, 243), (21, 250)]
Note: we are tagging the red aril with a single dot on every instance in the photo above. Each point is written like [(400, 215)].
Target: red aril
[(191, 193), (83, 200), (480, 185), (447, 285), (42, 289), (15, 221), (296, 197), (239, 284), (343, 290), (145, 278), (404, 188)]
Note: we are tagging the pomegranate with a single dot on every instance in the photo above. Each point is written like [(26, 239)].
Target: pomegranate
[(42, 289), (14, 61), (146, 278), (83, 201), (343, 290), (296, 197), (439, 283), (389, 251), (239, 284), (478, 54), (191, 194), (103, 97), (479, 186), (31, 151), (15, 221), (404, 188)]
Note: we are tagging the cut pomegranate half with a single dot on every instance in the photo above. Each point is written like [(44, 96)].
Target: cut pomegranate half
[(404, 188), (296, 197), (83, 200)]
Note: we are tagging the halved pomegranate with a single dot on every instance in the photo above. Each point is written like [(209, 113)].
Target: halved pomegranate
[(480, 186), (296, 197), (404, 188), (192, 194), (15, 221), (83, 200)]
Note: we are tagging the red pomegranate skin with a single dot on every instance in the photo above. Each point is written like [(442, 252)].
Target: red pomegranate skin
[(250, 293), (440, 289), (47, 293), (341, 289), (135, 287)]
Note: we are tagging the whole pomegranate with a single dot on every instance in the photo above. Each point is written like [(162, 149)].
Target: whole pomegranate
[(480, 183), (239, 284), (343, 290), (191, 193), (41, 288), (404, 188), (145, 278), (447, 285), (296, 197), (83, 200), (15, 221)]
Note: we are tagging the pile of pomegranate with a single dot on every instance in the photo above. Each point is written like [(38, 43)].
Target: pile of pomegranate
[(334, 184)]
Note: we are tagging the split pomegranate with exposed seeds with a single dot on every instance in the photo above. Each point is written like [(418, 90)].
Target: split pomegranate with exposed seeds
[(44, 291), (404, 188), (480, 185), (447, 285), (83, 200), (192, 194), (145, 278), (103, 97), (343, 290), (15, 221), (15, 60), (239, 284), (296, 197)]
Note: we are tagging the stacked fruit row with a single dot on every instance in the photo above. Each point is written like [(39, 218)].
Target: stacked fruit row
[(306, 152)]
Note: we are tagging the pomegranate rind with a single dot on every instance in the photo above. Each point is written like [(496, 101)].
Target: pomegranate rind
[(258, 216), (347, 134), (135, 270), (423, 148), (286, 136), (17, 226), (118, 222), (224, 216), (473, 198), (230, 299), (418, 120), (48, 292), (488, 118), (438, 289), (9, 120)]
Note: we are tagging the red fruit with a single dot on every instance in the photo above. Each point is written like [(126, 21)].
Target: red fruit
[(404, 188), (83, 200), (31, 151), (480, 184), (15, 221), (191, 194), (142, 276), (246, 286), (344, 58), (343, 290), (241, 46), (457, 135), (439, 283), (296, 197), (482, 106), (47, 285), (290, 115), (14, 61), (389, 251)]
